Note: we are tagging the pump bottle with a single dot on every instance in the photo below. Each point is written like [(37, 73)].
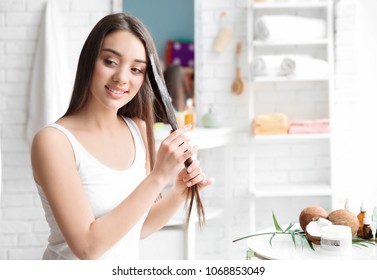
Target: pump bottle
[(361, 217)]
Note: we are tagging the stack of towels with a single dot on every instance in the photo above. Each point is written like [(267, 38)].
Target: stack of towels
[(307, 126), (277, 123), (289, 28), (290, 65)]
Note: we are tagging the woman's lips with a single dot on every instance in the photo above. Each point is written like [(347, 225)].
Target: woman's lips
[(116, 92)]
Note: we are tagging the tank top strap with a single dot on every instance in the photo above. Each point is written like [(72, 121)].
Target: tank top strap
[(71, 138), (139, 142)]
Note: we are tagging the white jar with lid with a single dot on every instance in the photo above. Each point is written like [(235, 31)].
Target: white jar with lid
[(336, 240)]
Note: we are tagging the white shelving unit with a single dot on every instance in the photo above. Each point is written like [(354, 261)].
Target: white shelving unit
[(290, 172)]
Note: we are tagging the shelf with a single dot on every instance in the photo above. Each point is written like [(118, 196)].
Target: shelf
[(294, 191), (318, 42), (291, 137), (291, 5), (270, 79)]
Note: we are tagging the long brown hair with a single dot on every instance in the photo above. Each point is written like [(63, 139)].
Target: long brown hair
[(141, 106)]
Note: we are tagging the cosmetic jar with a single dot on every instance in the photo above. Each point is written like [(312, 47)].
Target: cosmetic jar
[(336, 240)]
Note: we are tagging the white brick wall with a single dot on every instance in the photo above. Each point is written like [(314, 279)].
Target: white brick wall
[(23, 231)]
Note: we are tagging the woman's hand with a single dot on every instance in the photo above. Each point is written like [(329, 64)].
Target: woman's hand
[(190, 176), (172, 154)]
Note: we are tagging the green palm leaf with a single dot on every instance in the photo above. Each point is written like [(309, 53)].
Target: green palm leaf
[(276, 224)]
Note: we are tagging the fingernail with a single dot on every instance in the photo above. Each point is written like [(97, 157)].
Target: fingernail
[(189, 184), (189, 169)]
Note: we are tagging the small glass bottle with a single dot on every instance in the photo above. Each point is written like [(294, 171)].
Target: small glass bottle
[(361, 217), (189, 113), (347, 205), (367, 230), (374, 223)]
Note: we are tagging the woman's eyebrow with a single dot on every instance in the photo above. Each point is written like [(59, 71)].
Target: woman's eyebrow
[(113, 51), (140, 61), (120, 55)]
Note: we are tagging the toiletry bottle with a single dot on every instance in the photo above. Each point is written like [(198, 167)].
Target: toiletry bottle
[(367, 231), (210, 119), (347, 205), (189, 113), (361, 217), (374, 223)]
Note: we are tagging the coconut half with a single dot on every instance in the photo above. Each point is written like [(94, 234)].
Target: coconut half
[(311, 213), (313, 230)]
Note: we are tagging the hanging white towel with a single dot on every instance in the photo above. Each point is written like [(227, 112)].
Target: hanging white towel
[(50, 86)]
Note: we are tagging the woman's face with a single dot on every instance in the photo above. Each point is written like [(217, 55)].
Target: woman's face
[(119, 70)]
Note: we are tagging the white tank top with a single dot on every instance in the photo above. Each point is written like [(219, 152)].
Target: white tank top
[(105, 189)]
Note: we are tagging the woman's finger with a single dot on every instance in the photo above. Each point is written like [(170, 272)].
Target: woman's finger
[(205, 183), (189, 176), (194, 164), (177, 133)]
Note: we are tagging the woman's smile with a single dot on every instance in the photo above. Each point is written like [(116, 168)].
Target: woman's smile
[(115, 92)]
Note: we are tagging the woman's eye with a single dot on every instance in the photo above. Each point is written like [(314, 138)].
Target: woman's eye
[(110, 62), (136, 70)]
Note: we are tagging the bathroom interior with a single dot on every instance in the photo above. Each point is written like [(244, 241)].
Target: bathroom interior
[(283, 99)]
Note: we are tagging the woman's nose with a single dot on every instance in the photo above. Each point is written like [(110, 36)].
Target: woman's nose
[(121, 77)]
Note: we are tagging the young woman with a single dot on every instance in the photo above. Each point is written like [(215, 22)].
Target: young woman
[(95, 168)]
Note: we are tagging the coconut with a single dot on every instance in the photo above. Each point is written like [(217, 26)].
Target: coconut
[(313, 230), (311, 213), (345, 218)]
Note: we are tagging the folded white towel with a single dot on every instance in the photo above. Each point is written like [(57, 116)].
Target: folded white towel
[(289, 27), (300, 66), (288, 66), (50, 85), (267, 65), (275, 65)]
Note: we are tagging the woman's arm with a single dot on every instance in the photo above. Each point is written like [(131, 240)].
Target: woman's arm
[(55, 171)]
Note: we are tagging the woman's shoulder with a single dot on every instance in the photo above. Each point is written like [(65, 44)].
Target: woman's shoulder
[(49, 138)]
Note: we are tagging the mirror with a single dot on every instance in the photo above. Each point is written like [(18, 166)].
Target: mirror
[(171, 24)]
